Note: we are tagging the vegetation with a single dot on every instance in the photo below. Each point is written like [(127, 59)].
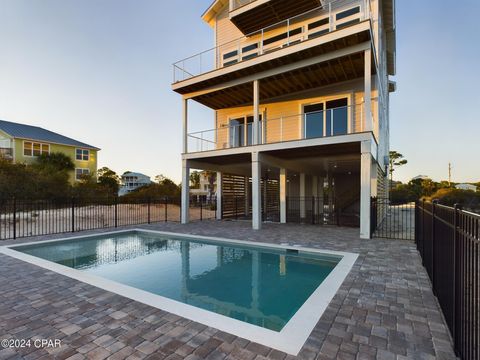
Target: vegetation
[(48, 178), (162, 187), (396, 160), (427, 189)]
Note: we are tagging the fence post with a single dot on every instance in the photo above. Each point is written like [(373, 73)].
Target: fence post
[(116, 210), (313, 210), (166, 208), (148, 207), (434, 203), (73, 214), (201, 211), (14, 217), (457, 208), (423, 232), (236, 210)]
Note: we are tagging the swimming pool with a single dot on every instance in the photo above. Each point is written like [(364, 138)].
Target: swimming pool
[(265, 293)]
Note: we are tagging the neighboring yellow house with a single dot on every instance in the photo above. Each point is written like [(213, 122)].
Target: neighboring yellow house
[(23, 143)]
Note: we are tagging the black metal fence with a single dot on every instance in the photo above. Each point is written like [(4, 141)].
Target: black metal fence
[(25, 218), (319, 211), (448, 241), (392, 221)]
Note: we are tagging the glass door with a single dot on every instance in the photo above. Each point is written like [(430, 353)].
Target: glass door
[(249, 123), (314, 118), (337, 117), (237, 132)]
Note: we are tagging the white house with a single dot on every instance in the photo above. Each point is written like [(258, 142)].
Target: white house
[(131, 181), (466, 187), (300, 90)]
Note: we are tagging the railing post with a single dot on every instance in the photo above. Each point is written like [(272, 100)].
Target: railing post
[(116, 210), (73, 214), (288, 32), (14, 217), (148, 208), (330, 17), (261, 42)]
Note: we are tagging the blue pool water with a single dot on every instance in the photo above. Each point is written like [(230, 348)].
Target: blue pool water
[(252, 284)]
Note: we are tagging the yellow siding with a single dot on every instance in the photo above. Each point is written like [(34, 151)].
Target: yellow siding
[(70, 151), (284, 119)]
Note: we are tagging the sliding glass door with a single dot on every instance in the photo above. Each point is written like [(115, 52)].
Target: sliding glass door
[(241, 131), (326, 118)]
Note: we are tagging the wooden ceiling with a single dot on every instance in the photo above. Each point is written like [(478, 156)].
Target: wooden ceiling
[(270, 13), (323, 74)]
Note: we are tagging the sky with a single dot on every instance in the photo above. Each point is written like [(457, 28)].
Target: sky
[(100, 71)]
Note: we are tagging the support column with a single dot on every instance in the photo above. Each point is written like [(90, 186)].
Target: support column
[(185, 191), (185, 126), (302, 196), (219, 195), (256, 191), (365, 190), (368, 126), (256, 112), (283, 195)]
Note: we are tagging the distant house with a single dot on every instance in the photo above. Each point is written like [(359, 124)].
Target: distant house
[(466, 187), (132, 181), (22, 143), (421, 177), (203, 191)]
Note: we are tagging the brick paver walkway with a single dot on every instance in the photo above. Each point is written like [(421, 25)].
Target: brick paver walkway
[(385, 309)]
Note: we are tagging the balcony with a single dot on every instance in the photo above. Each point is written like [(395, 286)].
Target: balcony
[(337, 121), (6, 153), (271, 43), (252, 15)]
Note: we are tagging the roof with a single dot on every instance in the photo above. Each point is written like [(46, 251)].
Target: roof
[(30, 132), (131, 173)]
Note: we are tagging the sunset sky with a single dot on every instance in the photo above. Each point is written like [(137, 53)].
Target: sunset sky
[(100, 72)]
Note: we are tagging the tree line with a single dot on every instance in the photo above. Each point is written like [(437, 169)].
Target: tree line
[(48, 178)]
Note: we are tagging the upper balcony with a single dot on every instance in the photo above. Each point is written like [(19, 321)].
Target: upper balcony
[(327, 29), (252, 15)]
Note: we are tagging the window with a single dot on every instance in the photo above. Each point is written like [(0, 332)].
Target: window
[(326, 119), (35, 149), (27, 149), (241, 131), (82, 154), (79, 173), (313, 120), (337, 117)]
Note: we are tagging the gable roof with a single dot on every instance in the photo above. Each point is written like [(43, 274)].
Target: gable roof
[(30, 132)]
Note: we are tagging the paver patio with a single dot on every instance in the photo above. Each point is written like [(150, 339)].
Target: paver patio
[(385, 309)]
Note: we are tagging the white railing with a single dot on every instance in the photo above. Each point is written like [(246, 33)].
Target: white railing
[(332, 16), (331, 122)]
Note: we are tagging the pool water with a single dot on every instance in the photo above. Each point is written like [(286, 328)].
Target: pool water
[(259, 286)]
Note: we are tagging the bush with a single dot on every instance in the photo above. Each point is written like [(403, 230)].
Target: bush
[(402, 194), (469, 200)]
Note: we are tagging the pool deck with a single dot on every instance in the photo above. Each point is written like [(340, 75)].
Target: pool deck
[(385, 309)]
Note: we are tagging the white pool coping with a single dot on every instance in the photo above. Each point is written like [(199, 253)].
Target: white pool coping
[(290, 339)]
